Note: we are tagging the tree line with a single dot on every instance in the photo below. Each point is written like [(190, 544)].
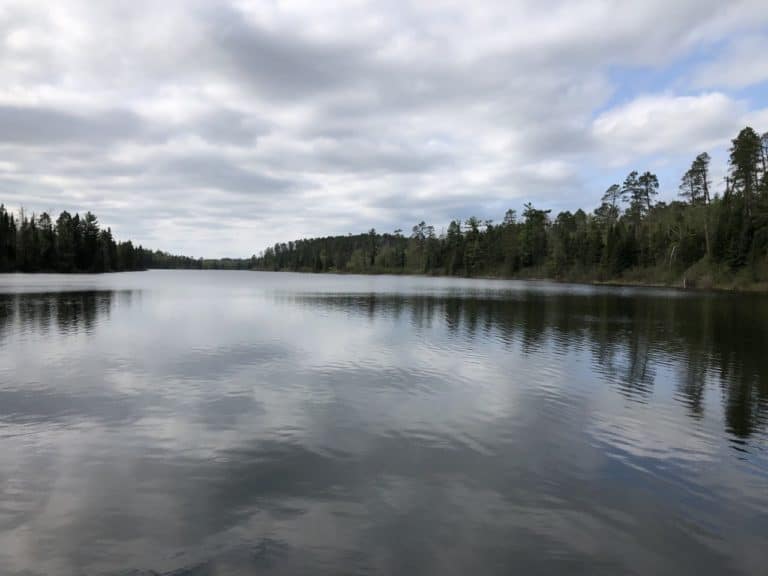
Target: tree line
[(37, 243), (74, 243), (701, 238)]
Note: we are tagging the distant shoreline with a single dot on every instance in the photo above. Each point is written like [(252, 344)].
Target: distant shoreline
[(732, 285), (752, 288)]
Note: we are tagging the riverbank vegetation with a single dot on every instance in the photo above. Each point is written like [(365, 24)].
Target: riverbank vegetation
[(71, 243), (703, 239)]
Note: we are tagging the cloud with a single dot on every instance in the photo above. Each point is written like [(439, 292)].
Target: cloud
[(309, 118), (215, 172), (740, 65), (666, 124), (281, 66), (40, 126)]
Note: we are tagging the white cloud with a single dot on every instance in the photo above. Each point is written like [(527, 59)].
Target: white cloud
[(666, 124), (316, 118), (742, 63)]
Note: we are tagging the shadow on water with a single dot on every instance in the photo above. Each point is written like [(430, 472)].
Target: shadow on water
[(630, 338), (62, 312), (706, 338)]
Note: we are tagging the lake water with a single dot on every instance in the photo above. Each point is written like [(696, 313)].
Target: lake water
[(210, 423)]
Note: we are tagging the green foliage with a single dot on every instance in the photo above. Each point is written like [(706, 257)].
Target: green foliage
[(746, 165), (663, 242), (705, 239), (74, 244), (694, 185)]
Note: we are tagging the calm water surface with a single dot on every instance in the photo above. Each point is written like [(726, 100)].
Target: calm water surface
[(208, 423)]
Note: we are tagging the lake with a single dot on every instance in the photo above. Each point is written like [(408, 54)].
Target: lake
[(213, 422)]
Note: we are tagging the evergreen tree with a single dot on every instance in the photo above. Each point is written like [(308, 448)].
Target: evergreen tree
[(746, 156)]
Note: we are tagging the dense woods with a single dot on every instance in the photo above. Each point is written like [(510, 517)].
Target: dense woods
[(73, 244), (37, 243), (702, 238)]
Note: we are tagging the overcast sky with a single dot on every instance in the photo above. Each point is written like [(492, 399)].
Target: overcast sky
[(214, 128)]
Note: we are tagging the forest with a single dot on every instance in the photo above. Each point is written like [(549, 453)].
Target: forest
[(702, 239), (79, 244)]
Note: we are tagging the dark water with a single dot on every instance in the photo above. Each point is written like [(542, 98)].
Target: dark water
[(208, 423)]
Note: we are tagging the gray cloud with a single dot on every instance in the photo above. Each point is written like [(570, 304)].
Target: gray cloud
[(320, 118), (209, 171), (282, 66), (37, 126), (230, 127)]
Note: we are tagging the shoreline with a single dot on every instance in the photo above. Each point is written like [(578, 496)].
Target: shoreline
[(751, 288), (758, 287)]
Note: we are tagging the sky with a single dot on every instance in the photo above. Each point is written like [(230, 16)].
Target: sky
[(219, 128)]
